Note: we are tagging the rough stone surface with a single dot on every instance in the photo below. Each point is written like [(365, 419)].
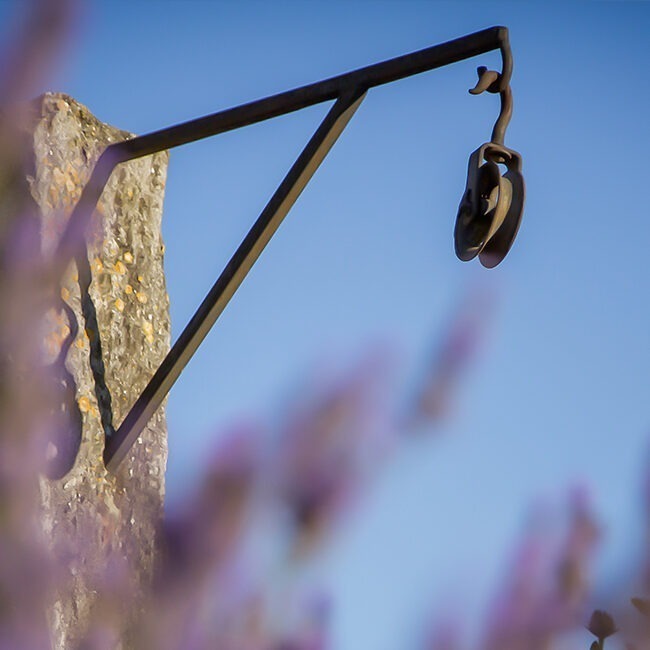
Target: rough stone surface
[(112, 329)]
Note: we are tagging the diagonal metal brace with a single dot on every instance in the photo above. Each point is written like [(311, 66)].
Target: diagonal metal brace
[(240, 263)]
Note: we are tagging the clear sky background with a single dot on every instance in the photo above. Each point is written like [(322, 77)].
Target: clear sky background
[(559, 394)]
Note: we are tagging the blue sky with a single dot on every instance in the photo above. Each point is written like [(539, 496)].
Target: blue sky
[(560, 393)]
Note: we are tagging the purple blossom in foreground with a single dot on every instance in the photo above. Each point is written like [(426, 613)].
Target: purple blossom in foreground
[(444, 636), (451, 357), (329, 443), (545, 594), (27, 573)]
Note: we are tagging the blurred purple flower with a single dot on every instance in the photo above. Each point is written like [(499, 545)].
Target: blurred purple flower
[(327, 446), (546, 591), (27, 572), (200, 545), (450, 360), (444, 636)]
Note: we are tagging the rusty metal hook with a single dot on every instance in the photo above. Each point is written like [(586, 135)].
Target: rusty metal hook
[(492, 205), (493, 82)]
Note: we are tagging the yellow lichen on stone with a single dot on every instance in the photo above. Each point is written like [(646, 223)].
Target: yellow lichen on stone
[(72, 173), (142, 298), (85, 405), (58, 176), (88, 406), (65, 293), (53, 196), (98, 265), (119, 304), (140, 279), (147, 328), (119, 267), (128, 257), (128, 289)]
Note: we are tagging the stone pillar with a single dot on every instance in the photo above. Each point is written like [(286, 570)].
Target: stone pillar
[(110, 332)]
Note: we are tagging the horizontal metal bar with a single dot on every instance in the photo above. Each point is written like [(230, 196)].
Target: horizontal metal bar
[(263, 109), (236, 270), (316, 93)]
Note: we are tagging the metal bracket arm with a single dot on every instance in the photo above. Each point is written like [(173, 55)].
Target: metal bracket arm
[(348, 90)]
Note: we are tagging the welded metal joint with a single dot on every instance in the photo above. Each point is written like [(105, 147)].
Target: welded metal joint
[(487, 221), (492, 205)]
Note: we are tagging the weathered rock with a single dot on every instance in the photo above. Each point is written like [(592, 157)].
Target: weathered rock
[(112, 331)]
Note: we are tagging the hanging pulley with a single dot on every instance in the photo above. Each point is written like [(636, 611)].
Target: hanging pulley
[(492, 205)]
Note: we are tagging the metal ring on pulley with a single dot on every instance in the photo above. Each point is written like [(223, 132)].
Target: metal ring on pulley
[(490, 211)]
